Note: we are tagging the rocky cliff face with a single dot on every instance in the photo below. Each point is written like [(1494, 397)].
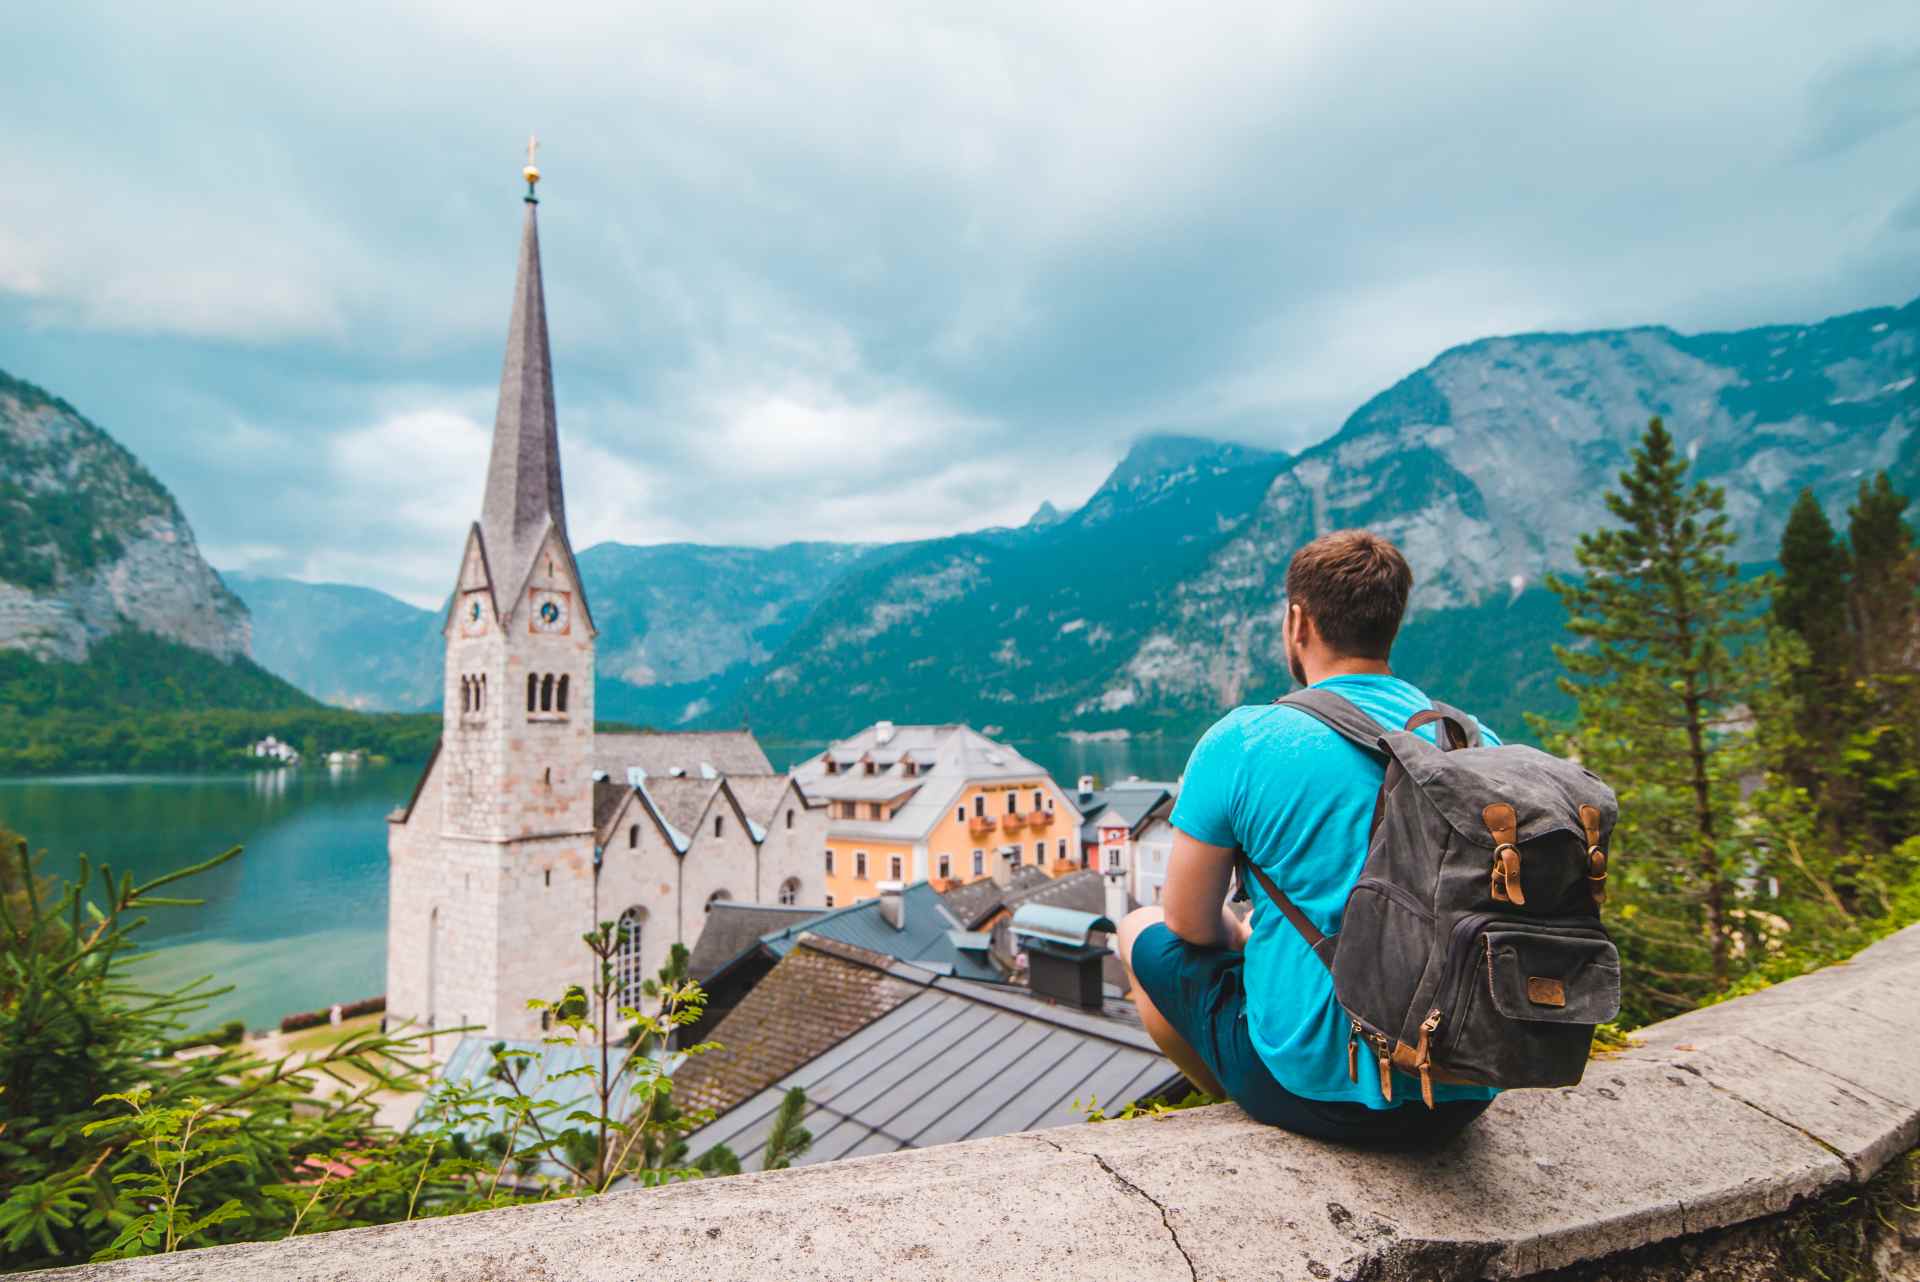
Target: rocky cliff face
[(1489, 463), (91, 543)]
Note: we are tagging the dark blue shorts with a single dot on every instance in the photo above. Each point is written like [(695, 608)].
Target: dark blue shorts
[(1199, 992)]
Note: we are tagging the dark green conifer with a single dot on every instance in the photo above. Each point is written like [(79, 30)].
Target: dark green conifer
[(1661, 676)]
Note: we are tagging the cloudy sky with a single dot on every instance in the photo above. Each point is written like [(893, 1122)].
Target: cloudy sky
[(853, 271)]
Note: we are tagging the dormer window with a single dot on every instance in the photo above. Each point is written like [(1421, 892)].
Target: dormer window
[(833, 767)]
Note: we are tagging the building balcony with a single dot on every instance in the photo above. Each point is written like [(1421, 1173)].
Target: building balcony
[(980, 824), (1039, 818), (1014, 820)]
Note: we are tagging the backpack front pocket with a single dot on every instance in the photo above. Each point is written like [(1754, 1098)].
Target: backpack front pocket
[(1527, 998)]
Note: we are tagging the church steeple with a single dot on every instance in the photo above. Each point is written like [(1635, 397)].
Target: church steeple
[(524, 496)]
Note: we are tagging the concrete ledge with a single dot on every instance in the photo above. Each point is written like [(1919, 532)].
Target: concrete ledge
[(1723, 1116)]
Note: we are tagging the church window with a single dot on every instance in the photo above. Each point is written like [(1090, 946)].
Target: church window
[(633, 836), (533, 693), (717, 897), (979, 863), (946, 867), (829, 862), (790, 891), (860, 864), (893, 867), (829, 901), (560, 702), (789, 818), (466, 696), (549, 876), (629, 979), (546, 693), (719, 824)]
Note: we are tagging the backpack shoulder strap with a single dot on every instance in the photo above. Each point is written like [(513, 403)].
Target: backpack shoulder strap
[(1289, 909), (1339, 715)]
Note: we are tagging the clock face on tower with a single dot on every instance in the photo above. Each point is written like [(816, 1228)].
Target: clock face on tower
[(550, 613), (473, 615)]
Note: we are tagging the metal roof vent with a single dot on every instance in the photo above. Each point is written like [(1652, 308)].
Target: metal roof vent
[(1063, 964), (883, 732)]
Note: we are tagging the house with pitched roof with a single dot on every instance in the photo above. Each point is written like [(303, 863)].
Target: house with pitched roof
[(940, 803), (529, 825)]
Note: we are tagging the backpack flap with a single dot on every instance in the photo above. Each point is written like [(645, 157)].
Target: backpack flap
[(1553, 978)]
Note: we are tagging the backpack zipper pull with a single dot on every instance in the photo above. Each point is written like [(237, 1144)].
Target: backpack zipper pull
[(1386, 1072), (1424, 1058), (1353, 1053)]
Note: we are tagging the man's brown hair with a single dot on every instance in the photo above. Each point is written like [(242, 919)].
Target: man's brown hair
[(1354, 587)]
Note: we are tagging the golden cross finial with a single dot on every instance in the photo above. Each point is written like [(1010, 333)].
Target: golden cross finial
[(531, 173)]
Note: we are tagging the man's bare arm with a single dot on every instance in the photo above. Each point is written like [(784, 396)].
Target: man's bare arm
[(1195, 894)]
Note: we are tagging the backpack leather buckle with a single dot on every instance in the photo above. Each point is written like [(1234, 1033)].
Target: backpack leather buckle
[(1506, 874)]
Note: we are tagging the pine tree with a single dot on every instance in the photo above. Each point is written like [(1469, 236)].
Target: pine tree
[(1883, 578), (1810, 604), (1661, 676)]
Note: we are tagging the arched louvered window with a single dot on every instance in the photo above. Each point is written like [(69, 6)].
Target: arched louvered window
[(790, 891), (629, 977), (546, 693), (633, 836), (716, 897), (560, 700), (533, 693)]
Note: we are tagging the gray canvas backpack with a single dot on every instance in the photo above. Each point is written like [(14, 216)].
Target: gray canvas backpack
[(1470, 951)]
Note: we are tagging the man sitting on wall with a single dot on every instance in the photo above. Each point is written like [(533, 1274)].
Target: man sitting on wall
[(1244, 1008)]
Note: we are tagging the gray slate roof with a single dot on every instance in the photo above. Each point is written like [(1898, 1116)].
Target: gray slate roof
[(925, 937), (956, 1061), (660, 754), (980, 899), (733, 928), (759, 795), (523, 497), (1127, 802)]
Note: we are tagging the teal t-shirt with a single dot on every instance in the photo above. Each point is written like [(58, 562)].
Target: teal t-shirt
[(1298, 799)]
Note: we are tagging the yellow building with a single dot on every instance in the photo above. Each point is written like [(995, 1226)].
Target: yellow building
[(940, 803)]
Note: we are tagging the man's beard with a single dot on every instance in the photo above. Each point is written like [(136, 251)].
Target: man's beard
[(1294, 666)]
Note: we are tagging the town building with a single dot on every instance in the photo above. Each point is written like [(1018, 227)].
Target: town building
[(940, 803), (1152, 851), (529, 826), (1113, 819)]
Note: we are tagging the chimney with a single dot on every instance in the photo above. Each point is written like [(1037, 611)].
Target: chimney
[(893, 904), (1063, 962), (1086, 787), (1116, 894), (883, 732)]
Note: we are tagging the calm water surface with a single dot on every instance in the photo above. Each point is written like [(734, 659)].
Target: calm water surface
[(299, 920)]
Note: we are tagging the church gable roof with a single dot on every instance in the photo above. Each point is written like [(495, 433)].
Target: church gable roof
[(663, 754)]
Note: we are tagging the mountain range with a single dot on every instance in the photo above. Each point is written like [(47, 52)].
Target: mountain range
[(1151, 606)]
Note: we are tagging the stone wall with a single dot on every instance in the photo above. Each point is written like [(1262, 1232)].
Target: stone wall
[(1720, 1129)]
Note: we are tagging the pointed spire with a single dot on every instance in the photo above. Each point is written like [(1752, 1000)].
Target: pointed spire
[(523, 477)]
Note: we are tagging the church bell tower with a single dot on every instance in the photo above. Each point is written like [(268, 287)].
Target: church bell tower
[(518, 739), (491, 871)]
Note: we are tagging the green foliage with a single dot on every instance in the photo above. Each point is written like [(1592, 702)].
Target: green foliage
[(1096, 1112), (788, 1139), (631, 1129), (1664, 663), (140, 703), (110, 1147)]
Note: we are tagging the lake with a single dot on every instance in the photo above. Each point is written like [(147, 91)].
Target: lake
[(299, 921)]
